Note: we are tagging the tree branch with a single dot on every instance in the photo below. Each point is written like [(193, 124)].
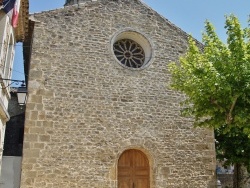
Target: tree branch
[(229, 115), (213, 101)]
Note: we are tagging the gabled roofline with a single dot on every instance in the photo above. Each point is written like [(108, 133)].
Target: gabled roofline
[(170, 23)]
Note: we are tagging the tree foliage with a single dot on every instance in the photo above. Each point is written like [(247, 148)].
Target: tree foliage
[(216, 79), (233, 146)]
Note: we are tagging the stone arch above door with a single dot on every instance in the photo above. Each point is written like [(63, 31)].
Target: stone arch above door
[(133, 170)]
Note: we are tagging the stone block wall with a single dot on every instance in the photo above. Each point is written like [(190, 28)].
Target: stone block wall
[(84, 109)]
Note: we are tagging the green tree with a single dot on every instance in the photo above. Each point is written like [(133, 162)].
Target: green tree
[(216, 81), (235, 147)]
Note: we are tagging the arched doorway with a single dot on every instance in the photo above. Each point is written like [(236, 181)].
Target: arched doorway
[(133, 170)]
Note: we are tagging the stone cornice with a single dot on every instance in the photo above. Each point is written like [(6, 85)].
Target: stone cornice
[(23, 21)]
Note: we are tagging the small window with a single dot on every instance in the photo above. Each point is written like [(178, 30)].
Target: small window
[(9, 58)]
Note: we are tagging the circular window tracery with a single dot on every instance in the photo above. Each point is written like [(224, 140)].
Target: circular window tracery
[(129, 53), (131, 49)]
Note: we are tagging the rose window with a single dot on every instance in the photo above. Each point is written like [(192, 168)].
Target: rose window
[(129, 53)]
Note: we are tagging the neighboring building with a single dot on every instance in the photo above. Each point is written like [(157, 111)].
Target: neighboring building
[(9, 36), (13, 144), (100, 113)]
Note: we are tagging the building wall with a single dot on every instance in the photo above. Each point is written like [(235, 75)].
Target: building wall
[(11, 174), (7, 50), (12, 154), (6, 57), (8, 38), (84, 109)]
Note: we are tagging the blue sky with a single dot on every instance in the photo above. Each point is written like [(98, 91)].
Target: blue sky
[(189, 15)]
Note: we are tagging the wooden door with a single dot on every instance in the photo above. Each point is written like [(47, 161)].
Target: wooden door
[(133, 170)]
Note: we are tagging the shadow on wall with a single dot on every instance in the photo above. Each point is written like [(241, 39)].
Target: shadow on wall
[(13, 142), (13, 145)]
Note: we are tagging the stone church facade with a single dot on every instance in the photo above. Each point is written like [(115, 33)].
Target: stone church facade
[(100, 113)]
